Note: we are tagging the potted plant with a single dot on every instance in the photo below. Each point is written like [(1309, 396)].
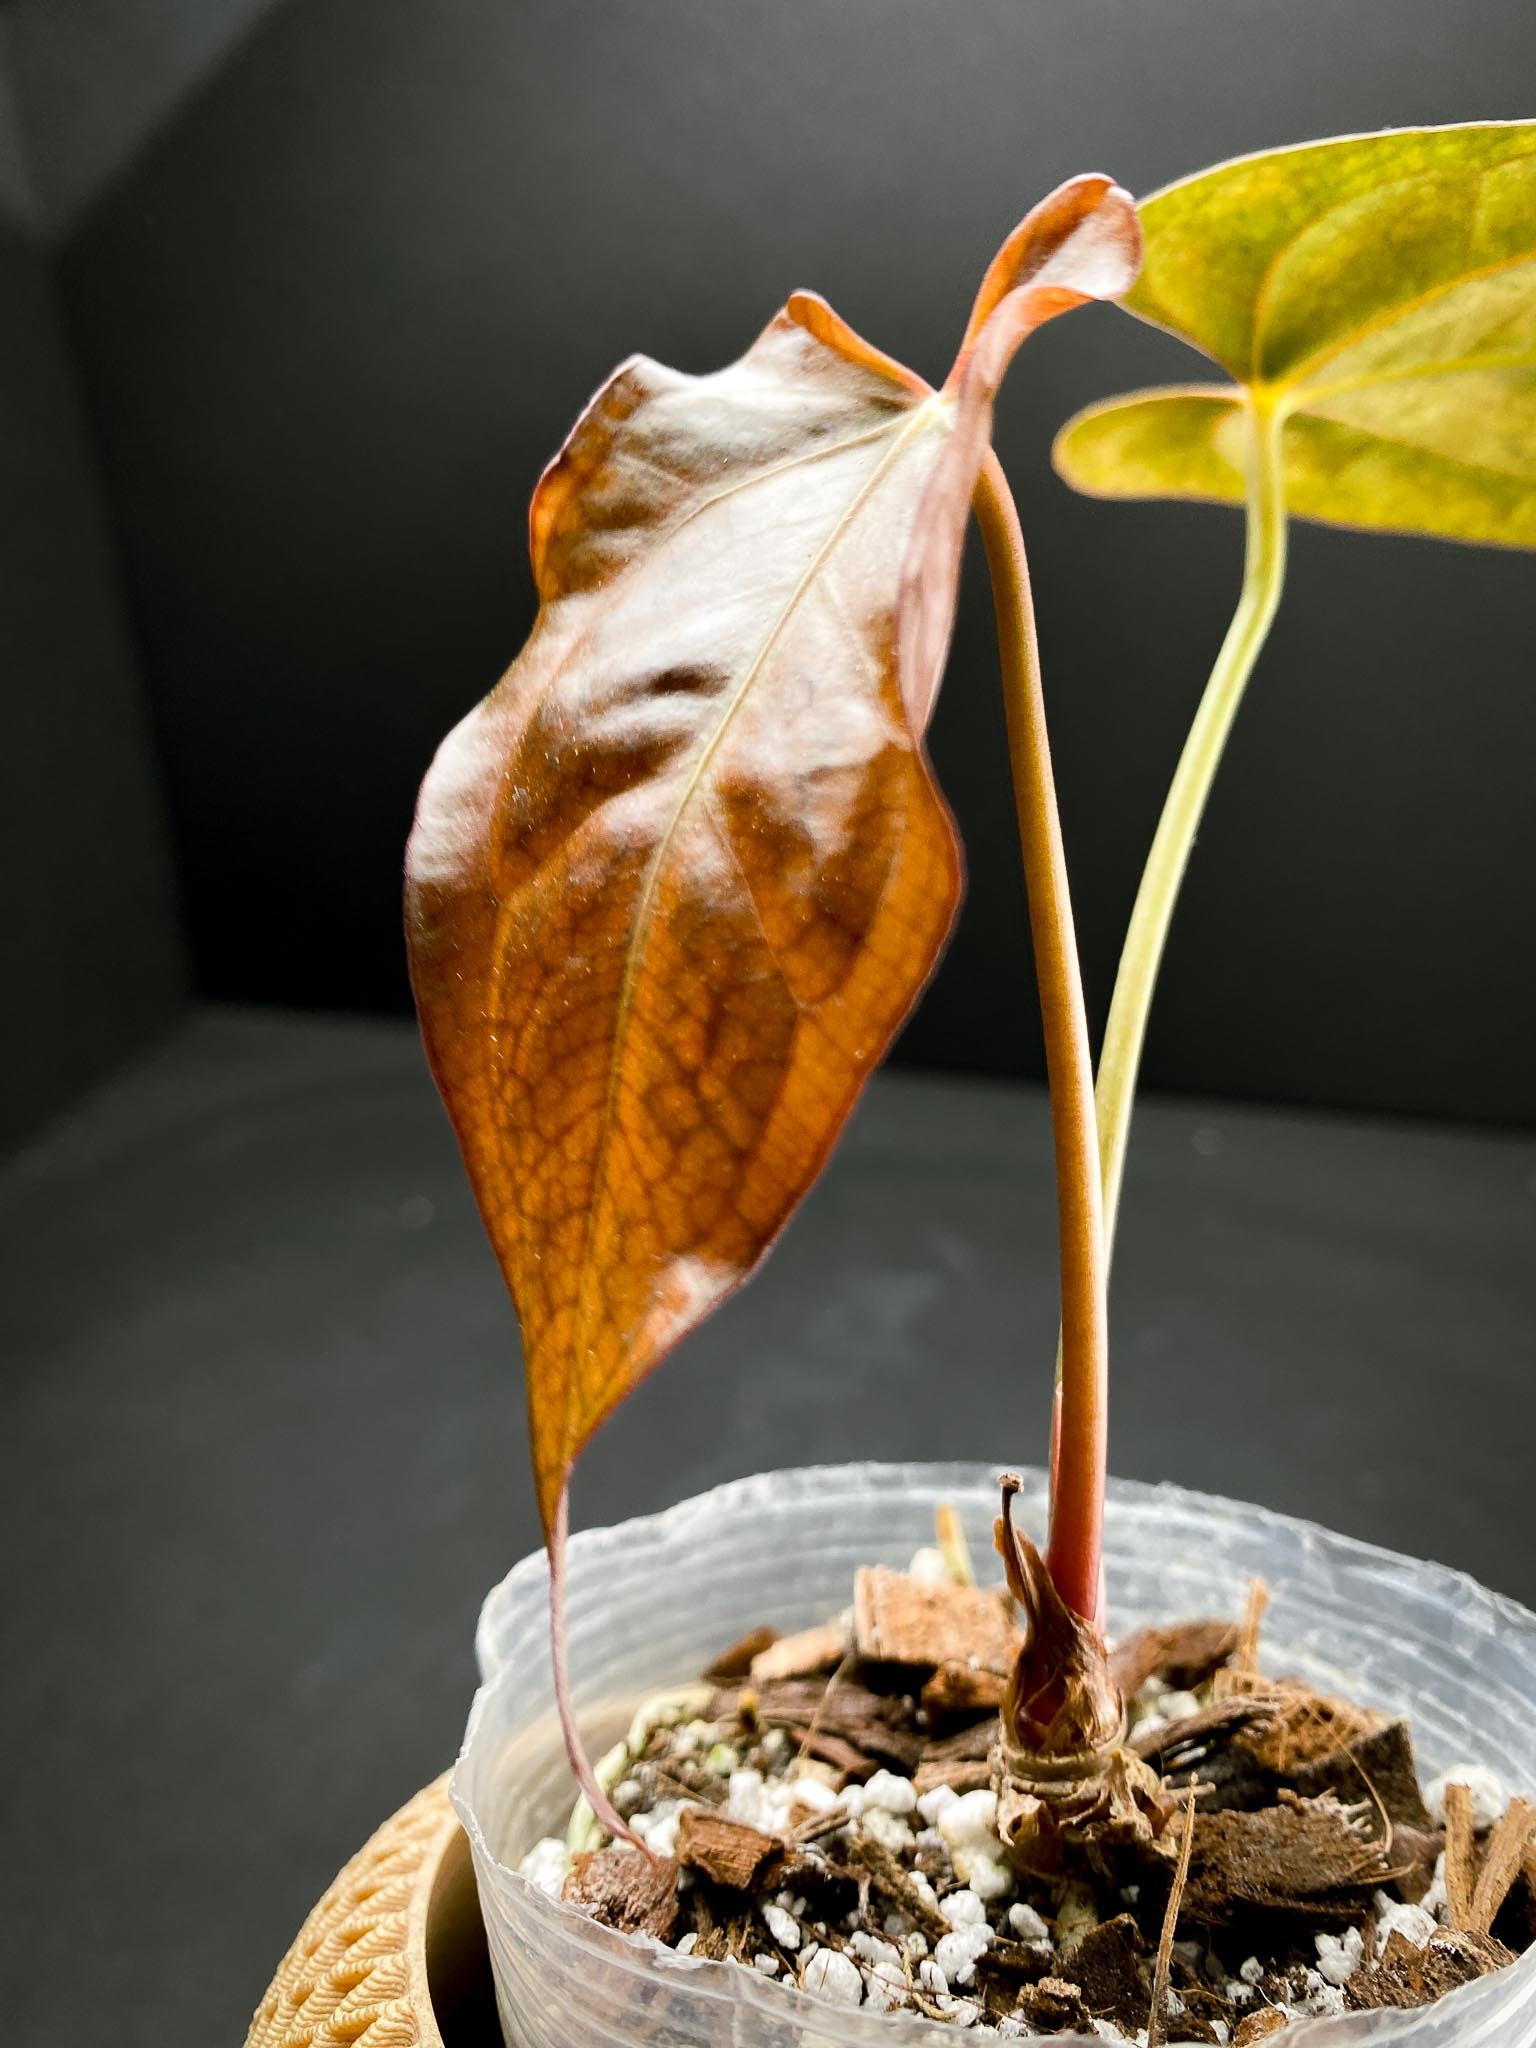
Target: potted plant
[(671, 891)]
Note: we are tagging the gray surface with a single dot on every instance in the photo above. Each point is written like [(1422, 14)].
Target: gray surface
[(338, 313), (101, 76), (243, 1298), (18, 201), (93, 964)]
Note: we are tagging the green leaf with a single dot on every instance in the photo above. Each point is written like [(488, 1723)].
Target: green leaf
[(1379, 293)]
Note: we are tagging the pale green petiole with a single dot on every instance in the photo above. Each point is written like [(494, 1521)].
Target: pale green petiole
[(1126, 1029), (1263, 577)]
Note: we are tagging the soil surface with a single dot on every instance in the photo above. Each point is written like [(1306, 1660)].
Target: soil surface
[(824, 1809)]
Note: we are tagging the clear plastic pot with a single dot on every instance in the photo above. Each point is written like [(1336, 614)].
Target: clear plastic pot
[(653, 1600)]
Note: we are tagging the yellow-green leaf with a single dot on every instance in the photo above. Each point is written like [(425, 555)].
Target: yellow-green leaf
[(1380, 293)]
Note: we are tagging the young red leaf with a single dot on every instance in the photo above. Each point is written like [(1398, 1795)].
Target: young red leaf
[(674, 885)]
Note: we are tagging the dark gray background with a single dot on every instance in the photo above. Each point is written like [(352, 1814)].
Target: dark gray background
[(295, 299), (336, 275), (94, 963)]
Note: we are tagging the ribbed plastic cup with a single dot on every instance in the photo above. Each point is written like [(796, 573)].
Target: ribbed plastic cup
[(653, 1601)]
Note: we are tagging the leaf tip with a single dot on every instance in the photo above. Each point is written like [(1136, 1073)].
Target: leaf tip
[(1066, 452), (811, 311)]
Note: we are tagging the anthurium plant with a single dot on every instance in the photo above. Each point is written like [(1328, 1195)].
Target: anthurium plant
[(674, 885)]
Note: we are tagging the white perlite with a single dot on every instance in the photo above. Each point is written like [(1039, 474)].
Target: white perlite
[(1026, 1923), (938, 1801), (784, 1929), (960, 2012), (547, 1865), (882, 1993), (832, 1975), (1319, 1998), (770, 1806), (888, 1829), (890, 1793), (1489, 1797), (658, 1830), (1339, 1955), (814, 1793), (956, 1953), (968, 1825), (928, 1566), (1393, 1917), (988, 1873), (885, 1976), (744, 1799), (969, 1817)]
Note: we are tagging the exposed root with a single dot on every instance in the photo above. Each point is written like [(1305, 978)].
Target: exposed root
[(953, 1548), (1303, 1726), (1241, 1672)]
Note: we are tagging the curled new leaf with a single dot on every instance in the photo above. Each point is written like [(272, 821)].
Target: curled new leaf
[(1062, 1700), (1069, 1790), (1378, 294)]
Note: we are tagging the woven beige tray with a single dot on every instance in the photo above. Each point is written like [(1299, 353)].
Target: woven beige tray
[(393, 1956)]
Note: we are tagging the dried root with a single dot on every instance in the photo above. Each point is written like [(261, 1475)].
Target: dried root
[(1157, 2015), (1474, 1895)]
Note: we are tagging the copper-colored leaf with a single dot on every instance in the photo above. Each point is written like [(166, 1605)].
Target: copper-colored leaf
[(674, 885)]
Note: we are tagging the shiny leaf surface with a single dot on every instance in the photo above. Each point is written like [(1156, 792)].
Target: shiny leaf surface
[(674, 885), (1380, 292)]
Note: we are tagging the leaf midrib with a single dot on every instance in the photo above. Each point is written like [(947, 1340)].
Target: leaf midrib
[(637, 941), (506, 905)]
